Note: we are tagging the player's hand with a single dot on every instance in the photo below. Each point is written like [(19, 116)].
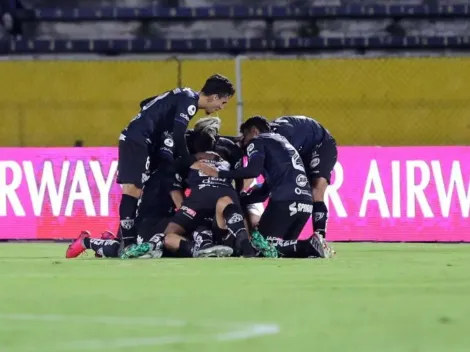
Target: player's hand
[(209, 170), (197, 165)]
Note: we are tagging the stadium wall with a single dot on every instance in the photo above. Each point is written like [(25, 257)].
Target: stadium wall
[(394, 101), (376, 194)]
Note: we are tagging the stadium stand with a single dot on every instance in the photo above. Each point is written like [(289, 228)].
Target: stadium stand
[(239, 26)]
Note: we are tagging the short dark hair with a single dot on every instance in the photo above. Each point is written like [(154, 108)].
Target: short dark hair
[(260, 122), (202, 142), (218, 84)]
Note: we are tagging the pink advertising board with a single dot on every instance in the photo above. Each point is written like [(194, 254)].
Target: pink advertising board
[(377, 193)]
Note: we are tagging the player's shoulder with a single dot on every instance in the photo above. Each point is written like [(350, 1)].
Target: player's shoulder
[(295, 119), (187, 99), (266, 136), (185, 93), (261, 140), (226, 142)]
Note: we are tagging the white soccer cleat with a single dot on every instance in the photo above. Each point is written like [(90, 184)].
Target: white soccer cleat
[(327, 250), (214, 252), (155, 254)]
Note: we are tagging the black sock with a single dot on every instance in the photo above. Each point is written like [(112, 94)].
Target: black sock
[(86, 242), (243, 245), (236, 226), (127, 212), (234, 219), (185, 250), (105, 248), (320, 218), (222, 236), (202, 239), (290, 248), (157, 241)]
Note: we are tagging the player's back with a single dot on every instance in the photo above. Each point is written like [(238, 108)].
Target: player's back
[(159, 113), (197, 179), (301, 131), (283, 168)]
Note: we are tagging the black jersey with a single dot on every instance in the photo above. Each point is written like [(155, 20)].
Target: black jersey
[(303, 132), (280, 163), (198, 180), (167, 113)]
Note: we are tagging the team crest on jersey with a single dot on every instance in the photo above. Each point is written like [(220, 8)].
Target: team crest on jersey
[(301, 180), (168, 142), (191, 110)]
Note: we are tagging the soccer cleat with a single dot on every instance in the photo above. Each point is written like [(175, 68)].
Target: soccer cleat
[(77, 247), (317, 249), (137, 250), (261, 244), (214, 252), (107, 235), (329, 252), (155, 254)]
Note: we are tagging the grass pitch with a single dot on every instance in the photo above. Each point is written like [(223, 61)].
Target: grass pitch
[(370, 298)]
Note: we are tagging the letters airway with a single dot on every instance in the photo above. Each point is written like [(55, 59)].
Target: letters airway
[(379, 194)]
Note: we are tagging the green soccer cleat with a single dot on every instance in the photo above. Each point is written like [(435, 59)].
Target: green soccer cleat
[(136, 250), (262, 245)]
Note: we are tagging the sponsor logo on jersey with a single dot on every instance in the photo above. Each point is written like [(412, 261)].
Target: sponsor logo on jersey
[(188, 211), (302, 192), (295, 208)]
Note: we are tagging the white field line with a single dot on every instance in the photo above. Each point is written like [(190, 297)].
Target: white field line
[(234, 331)]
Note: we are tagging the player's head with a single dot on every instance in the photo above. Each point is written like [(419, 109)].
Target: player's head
[(216, 93), (210, 125), (202, 142), (253, 127)]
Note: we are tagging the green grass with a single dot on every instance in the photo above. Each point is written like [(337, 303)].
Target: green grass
[(370, 298)]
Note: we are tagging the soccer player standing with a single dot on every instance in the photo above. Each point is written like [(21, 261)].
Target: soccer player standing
[(166, 117)]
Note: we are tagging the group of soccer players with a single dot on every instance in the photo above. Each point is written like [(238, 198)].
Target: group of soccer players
[(193, 193)]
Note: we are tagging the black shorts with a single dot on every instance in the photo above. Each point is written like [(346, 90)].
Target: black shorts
[(133, 163), (148, 227), (321, 161), (156, 201), (200, 206), (285, 219)]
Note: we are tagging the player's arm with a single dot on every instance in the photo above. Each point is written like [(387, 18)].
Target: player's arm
[(177, 191), (177, 196), (257, 195), (248, 183), (255, 164), (185, 110)]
